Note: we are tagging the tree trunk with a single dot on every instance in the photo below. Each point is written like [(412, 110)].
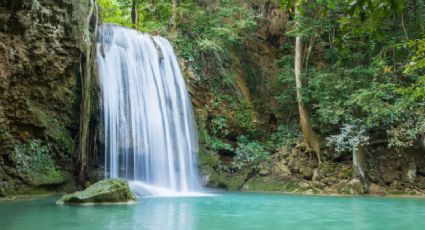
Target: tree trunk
[(310, 137), (359, 163), (86, 70), (134, 16)]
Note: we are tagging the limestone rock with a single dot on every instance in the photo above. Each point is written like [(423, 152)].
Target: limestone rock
[(376, 189), (264, 169), (352, 187), (105, 191), (271, 184), (339, 187), (6, 143), (41, 56), (308, 192), (234, 181), (209, 176), (389, 170), (421, 183), (281, 169), (409, 173), (307, 172), (316, 174), (396, 185), (390, 175), (355, 187), (318, 185)]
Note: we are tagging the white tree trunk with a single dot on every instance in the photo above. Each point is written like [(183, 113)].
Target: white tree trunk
[(310, 137)]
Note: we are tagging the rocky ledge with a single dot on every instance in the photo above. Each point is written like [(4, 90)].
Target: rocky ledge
[(105, 191)]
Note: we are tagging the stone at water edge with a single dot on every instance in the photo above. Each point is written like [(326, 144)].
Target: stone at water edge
[(104, 191)]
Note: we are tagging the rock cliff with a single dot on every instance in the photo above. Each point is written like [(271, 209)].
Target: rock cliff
[(43, 50)]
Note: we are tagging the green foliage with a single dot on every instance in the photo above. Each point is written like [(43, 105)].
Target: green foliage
[(244, 118), (33, 161), (404, 135), (286, 135), (366, 97), (355, 56), (349, 139), (219, 126), (416, 67), (223, 26), (111, 11), (369, 16), (153, 16), (249, 153), (218, 144)]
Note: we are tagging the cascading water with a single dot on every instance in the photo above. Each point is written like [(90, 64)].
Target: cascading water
[(150, 133)]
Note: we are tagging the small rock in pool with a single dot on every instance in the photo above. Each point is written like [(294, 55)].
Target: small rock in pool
[(104, 191)]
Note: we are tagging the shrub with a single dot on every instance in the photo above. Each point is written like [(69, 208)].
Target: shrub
[(219, 126), (249, 153), (349, 139)]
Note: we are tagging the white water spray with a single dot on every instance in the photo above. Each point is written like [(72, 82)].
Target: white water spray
[(150, 133)]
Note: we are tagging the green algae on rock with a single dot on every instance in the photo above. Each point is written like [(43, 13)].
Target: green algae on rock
[(105, 191)]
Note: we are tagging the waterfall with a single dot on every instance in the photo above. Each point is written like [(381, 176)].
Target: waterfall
[(149, 129)]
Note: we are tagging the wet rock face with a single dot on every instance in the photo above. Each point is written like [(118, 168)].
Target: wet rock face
[(40, 48)]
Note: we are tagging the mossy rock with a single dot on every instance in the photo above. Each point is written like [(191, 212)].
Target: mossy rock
[(55, 178), (210, 177), (208, 158), (356, 187), (33, 163), (269, 184), (105, 191), (234, 181)]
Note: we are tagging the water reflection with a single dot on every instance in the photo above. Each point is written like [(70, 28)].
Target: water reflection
[(223, 212), (166, 215)]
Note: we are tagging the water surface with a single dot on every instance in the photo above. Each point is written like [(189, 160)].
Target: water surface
[(231, 211)]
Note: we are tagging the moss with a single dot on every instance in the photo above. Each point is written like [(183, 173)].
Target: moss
[(244, 117), (234, 181), (317, 191), (399, 193), (211, 176), (346, 173), (55, 129), (37, 191), (328, 169), (208, 158), (201, 115), (35, 166), (105, 191), (266, 184)]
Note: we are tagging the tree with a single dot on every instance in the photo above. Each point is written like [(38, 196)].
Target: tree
[(134, 14), (311, 138)]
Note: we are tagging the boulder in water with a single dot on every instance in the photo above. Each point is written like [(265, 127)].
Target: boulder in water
[(104, 191)]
